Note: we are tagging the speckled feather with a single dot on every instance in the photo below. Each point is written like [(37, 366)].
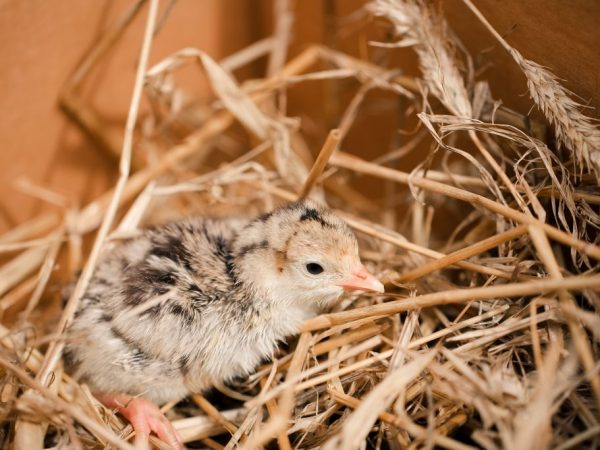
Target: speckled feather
[(190, 303)]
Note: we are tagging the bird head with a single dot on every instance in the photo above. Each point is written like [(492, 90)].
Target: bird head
[(303, 254)]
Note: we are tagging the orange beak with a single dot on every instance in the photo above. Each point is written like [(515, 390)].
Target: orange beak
[(363, 280)]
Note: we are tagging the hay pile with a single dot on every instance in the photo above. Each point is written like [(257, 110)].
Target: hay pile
[(487, 335)]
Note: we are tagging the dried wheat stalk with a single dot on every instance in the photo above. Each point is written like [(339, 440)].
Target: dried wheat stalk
[(574, 130)]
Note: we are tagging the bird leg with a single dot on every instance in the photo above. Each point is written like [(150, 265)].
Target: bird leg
[(145, 417)]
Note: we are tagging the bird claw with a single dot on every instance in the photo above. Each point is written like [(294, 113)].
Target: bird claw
[(145, 417)]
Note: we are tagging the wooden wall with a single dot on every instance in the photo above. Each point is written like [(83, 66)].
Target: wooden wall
[(41, 42)]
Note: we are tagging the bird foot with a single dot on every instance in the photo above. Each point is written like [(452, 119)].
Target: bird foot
[(145, 417)]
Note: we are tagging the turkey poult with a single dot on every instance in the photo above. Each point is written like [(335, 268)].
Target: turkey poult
[(199, 301)]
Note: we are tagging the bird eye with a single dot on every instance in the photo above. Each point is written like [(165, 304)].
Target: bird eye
[(314, 268)]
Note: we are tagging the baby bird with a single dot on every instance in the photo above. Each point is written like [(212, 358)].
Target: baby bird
[(199, 301)]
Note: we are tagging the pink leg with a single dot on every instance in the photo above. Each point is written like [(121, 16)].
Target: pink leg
[(144, 416)]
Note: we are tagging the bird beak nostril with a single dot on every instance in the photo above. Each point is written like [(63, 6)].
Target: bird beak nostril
[(361, 272), (362, 279)]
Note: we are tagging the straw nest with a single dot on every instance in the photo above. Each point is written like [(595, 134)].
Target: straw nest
[(486, 337)]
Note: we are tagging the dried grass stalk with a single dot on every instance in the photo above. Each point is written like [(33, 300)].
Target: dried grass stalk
[(574, 130), (54, 352), (423, 28)]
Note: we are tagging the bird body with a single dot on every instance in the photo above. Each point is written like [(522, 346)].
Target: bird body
[(191, 303)]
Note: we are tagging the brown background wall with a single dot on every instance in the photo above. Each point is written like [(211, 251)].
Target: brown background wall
[(42, 41)]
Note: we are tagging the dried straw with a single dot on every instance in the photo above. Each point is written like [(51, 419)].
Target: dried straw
[(485, 338), (573, 129)]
